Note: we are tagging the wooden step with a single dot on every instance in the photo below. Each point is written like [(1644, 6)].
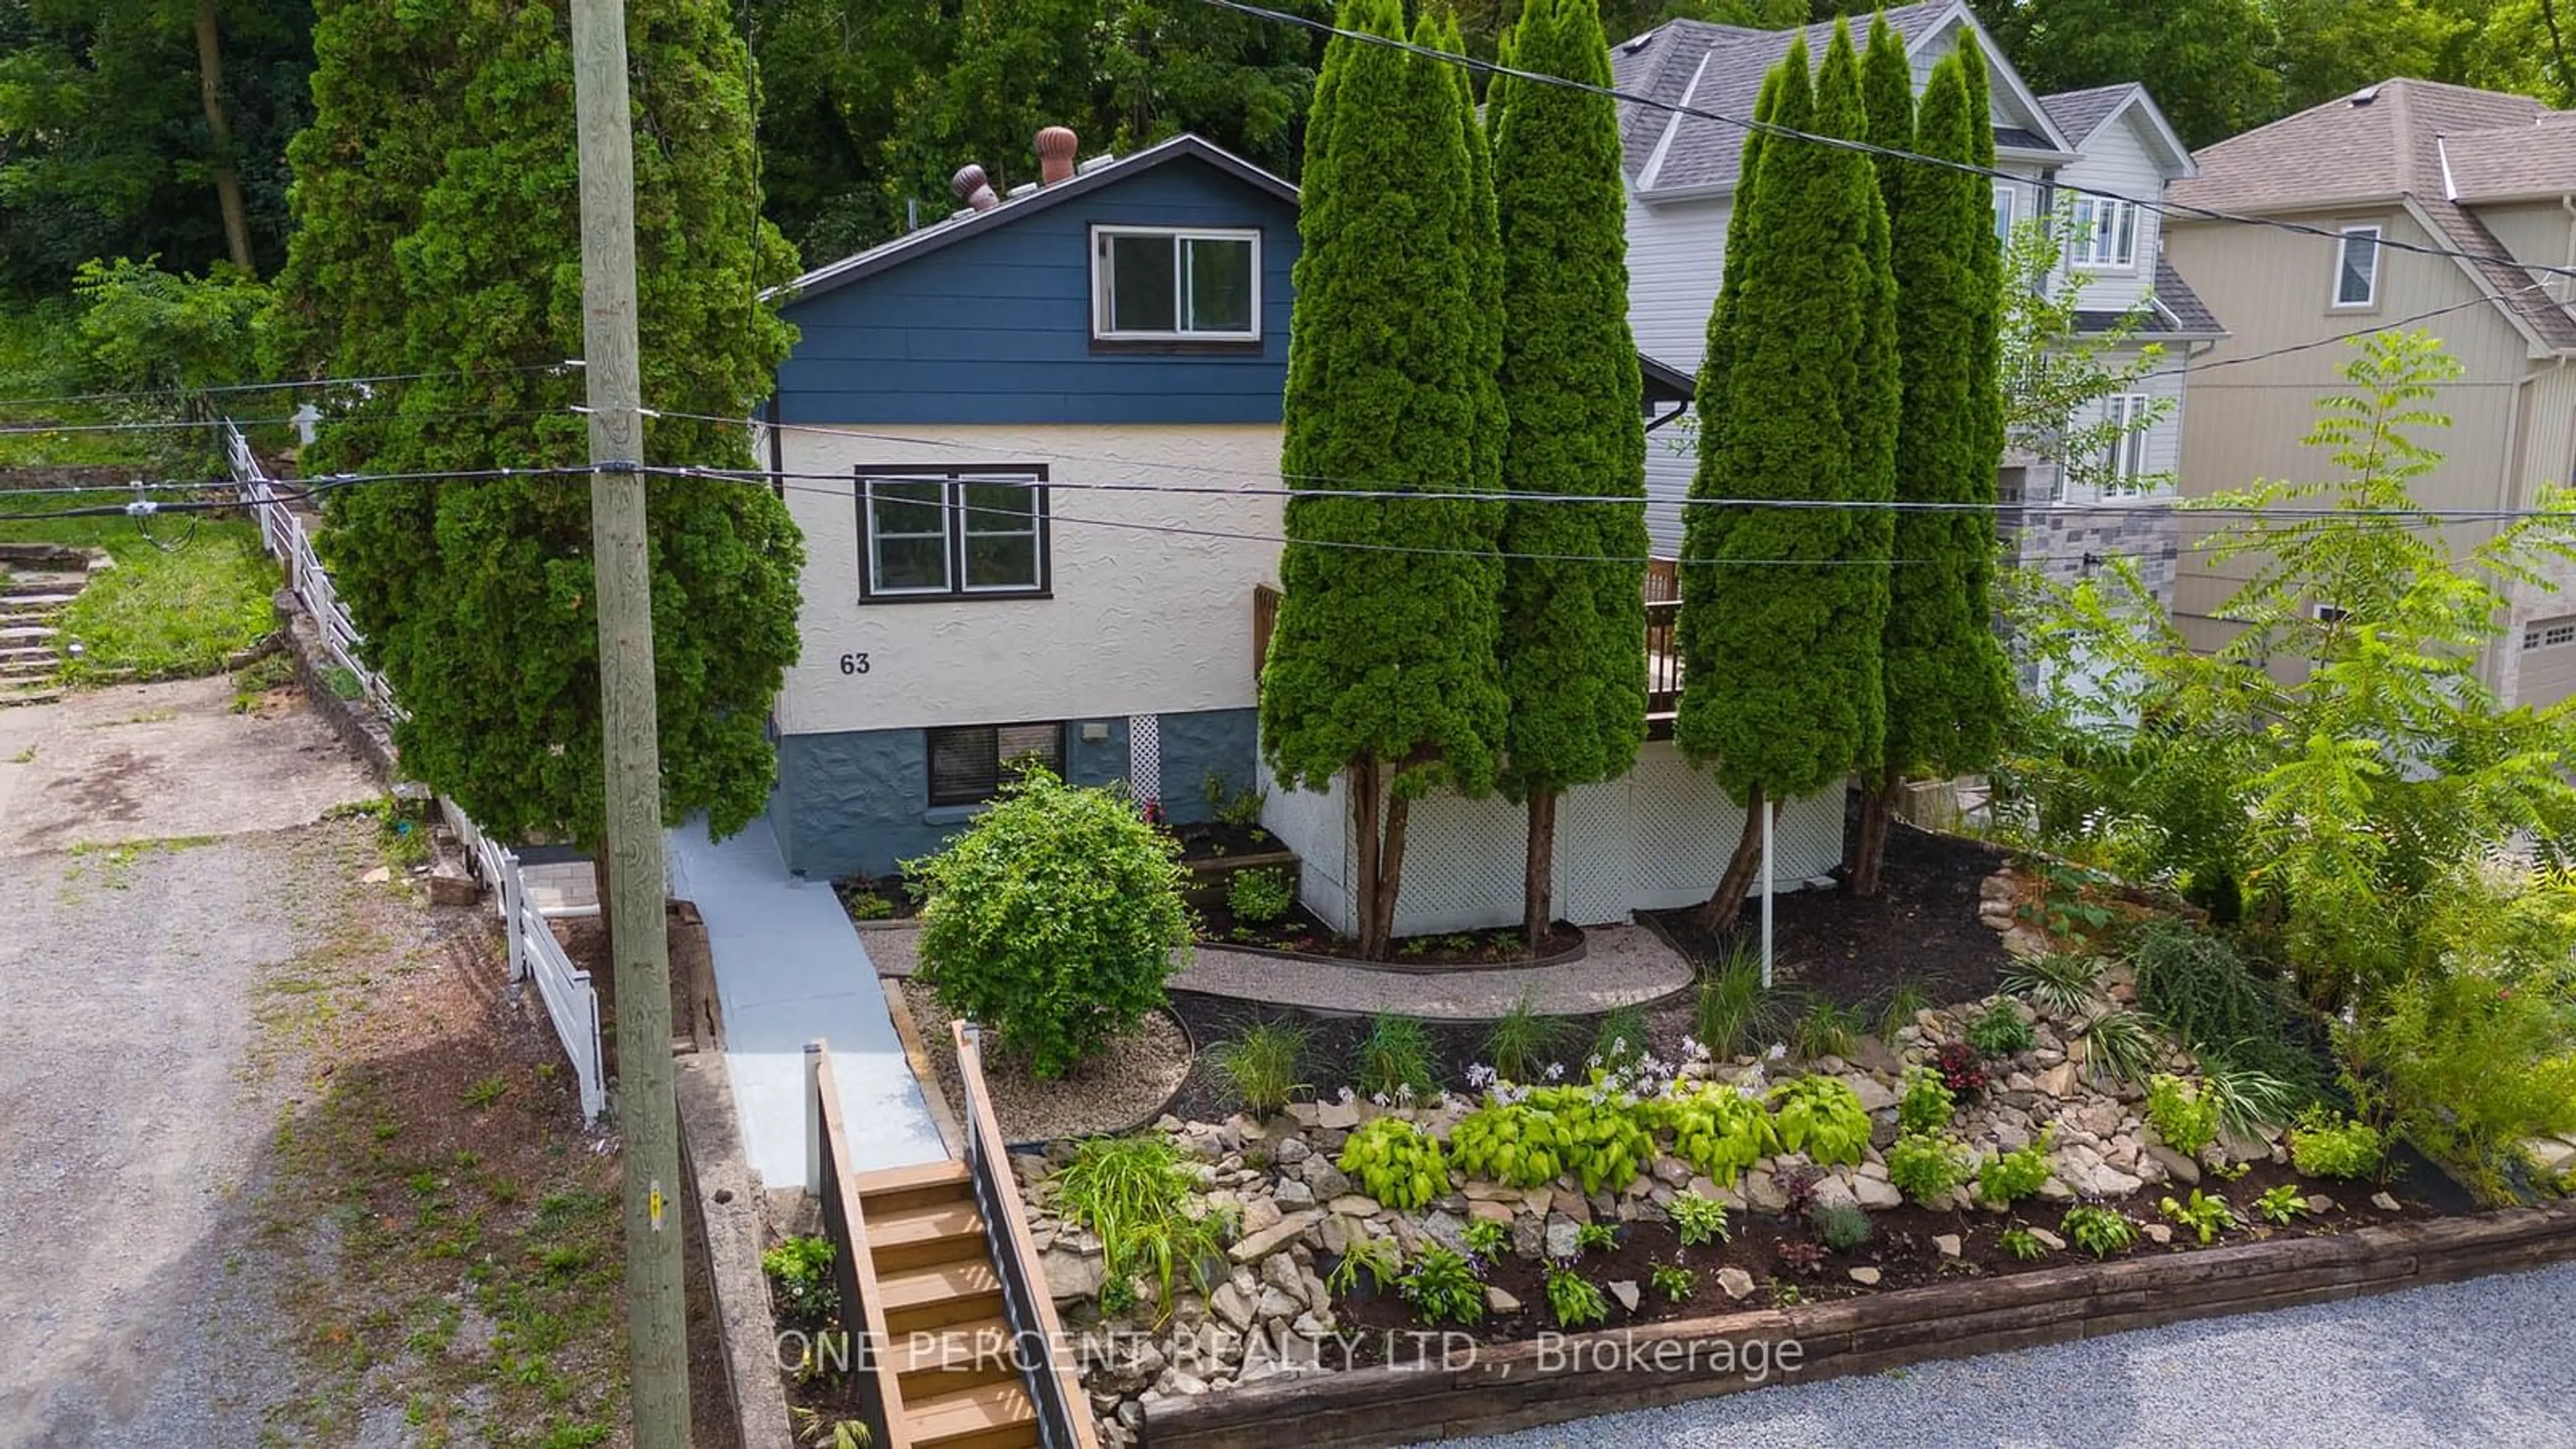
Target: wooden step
[(893, 1189), (915, 1237), (988, 1416), (940, 1295), (960, 1356), (25, 633)]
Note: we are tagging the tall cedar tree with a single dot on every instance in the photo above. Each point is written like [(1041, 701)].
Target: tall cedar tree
[(1783, 608), (1383, 660), (1947, 685), (1573, 605), (437, 201)]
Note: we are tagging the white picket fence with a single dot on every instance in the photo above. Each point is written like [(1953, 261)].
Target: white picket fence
[(535, 954)]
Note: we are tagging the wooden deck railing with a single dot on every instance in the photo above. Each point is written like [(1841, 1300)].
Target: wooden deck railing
[(869, 1349), (1064, 1410), (1265, 618), (1663, 657)]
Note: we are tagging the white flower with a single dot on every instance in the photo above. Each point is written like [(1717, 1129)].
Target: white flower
[(1593, 1061), (1404, 1090), (1556, 1071), (1347, 1095), (1778, 1051), (1379, 1098), (1695, 1049)]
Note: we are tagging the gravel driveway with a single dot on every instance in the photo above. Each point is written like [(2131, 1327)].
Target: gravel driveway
[(134, 1113), (2483, 1362)]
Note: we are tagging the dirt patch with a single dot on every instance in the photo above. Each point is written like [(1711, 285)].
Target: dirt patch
[(1921, 927), (586, 942), (1122, 1088)]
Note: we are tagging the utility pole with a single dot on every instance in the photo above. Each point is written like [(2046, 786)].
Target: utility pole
[(656, 1313)]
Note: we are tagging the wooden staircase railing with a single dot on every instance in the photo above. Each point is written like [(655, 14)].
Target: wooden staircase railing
[(863, 1314)]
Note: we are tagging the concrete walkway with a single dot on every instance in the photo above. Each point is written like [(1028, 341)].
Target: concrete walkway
[(1622, 966), (789, 968)]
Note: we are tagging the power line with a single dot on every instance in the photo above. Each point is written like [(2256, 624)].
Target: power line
[(2159, 206), (227, 389)]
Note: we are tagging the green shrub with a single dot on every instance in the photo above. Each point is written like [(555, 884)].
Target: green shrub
[(1396, 1061), (2326, 1144), (1596, 1237), (1373, 1256), (2186, 1120), (2121, 1047), (173, 615), (1717, 1130), (1238, 808), (2283, 1204), (1573, 1298), (2248, 1097), (1905, 1001), (1397, 1163), (1735, 1014), (1672, 1280), (1698, 1220), (2009, 1177), (2022, 1243), (865, 905), (2099, 1231), (2207, 1214), (1523, 1043), (1485, 1238), (2065, 982), (1840, 1226), (1824, 1030), (1258, 897), (1443, 1288), (1135, 1193), (1260, 1067), (2000, 1031), (2470, 1066), (800, 1275), (1927, 1105), (1821, 1117), (1925, 1167), (1052, 919)]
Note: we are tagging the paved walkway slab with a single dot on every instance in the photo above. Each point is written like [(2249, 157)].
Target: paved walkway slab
[(789, 968)]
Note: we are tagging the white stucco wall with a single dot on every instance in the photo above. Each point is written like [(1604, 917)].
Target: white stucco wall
[(1140, 622)]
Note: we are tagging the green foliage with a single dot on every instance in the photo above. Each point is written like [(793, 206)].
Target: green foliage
[(1443, 1288), (2064, 982), (2022, 1243), (1698, 1219), (1258, 897), (1905, 1001), (1373, 1256), (1524, 1041), (2098, 1230), (1735, 1013), (2207, 1214), (1135, 1193), (1598, 1136), (2184, 1117), (170, 616), (1798, 399), (1717, 1130), (2327, 1144), (1396, 1061), (1824, 1030), (1260, 1067), (2471, 1064), (2122, 1048), (2210, 56), (2284, 1204), (867, 906), (2008, 1177), (1999, 1031), (1052, 919), (1513, 1144), (2249, 1097), (1573, 598), (1396, 1162), (1229, 806), (1573, 1298), (1485, 1238), (1672, 1280), (436, 207), (1926, 1167), (1596, 1237), (1841, 1226), (1821, 1117), (1620, 1041), (800, 1277), (167, 337), (1927, 1105), (1384, 662)]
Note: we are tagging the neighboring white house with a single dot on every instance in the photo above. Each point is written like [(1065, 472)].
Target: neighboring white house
[(1681, 174)]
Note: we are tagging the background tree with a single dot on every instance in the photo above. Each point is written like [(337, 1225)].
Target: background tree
[(1383, 661), (2208, 63), (1948, 693), (438, 232), (1782, 608), (1573, 619)]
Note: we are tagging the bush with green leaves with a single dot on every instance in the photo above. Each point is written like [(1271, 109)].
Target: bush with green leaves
[(1396, 1063), (1841, 1226), (1596, 1237), (2022, 1243), (1573, 1298), (1053, 919), (1598, 1136), (2249, 1098), (2327, 1144), (1999, 1031), (800, 1276), (1443, 1287), (2467, 1066), (2120, 1048), (1698, 1219), (1820, 1116), (1927, 1105), (1259, 897), (2100, 1231), (1925, 1167), (1825, 1029), (1260, 1067), (1735, 1014), (2185, 1118), (2063, 982), (1134, 1192), (1511, 1143), (2284, 1204), (1672, 1280), (1485, 1238), (1716, 1129), (2008, 1177), (1375, 1257), (2207, 1214), (1524, 1041), (1397, 1162)]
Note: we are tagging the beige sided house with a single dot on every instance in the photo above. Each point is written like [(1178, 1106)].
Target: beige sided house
[(2403, 161)]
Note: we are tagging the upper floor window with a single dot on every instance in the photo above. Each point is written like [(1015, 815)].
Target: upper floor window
[(2003, 212), (2124, 466), (2357, 267), (1162, 284), (929, 533), (2106, 232)]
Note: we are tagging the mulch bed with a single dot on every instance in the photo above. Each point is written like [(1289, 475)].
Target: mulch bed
[(1216, 840), (1921, 927), (1302, 931), (586, 942), (1901, 1247), (1117, 1091), (898, 902)]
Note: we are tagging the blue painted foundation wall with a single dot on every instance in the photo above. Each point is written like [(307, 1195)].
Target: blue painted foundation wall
[(857, 802)]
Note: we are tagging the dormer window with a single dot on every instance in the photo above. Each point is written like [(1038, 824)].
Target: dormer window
[(2106, 233), (1160, 284)]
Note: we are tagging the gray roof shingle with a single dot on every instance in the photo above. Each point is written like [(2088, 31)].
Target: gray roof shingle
[(2513, 163), (2175, 295), (2077, 114)]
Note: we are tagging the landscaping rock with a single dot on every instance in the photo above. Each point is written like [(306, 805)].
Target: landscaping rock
[(1070, 1275), (1877, 1193), (2051, 1241), (1312, 1325), (2057, 1081), (1492, 1212), (1274, 1303), (1625, 1291), (1260, 1214), (1291, 1150), (1948, 1243), (1500, 1301), (1356, 1205), (1254, 1247), (2182, 1169), (1763, 1192), (1279, 1270), (2551, 1154), (1336, 1232), (1294, 1194), (2385, 1203), (1866, 1277), (1233, 1305), (2320, 1203), (1337, 1116), (1529, 1235), (1571, 1204), (2157, 1233), (1447, 1229), (1735, 1283), (1671, 1171), (1563, 1237), (1328, 1181), (1874, 1094)]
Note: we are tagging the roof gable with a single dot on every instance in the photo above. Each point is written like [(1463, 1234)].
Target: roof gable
[(2084, 115), (2514, 163)]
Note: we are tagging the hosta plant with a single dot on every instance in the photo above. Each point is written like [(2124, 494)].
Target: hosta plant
[(1821, 1117), (2283, 1205), (2011, 1176), (2326, 1145), (2185, 1119), (1396, 1162), (2022, 1243), (1927, 1105), (2205, 1214), (1698, 1219), (1443, 1287), (1374, 1256), (1925, 1167), (2099, 1231), (1717, 1130), (1575, 1299), (1672, 1280)]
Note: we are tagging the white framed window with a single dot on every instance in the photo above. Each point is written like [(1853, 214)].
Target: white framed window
[(2357, 267), (1163, 284), (930, 533), (2549, 633), (2124, 462), (2004, 212), (2106, 233)]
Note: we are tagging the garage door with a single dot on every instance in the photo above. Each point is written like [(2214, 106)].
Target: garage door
[(2548, 672)]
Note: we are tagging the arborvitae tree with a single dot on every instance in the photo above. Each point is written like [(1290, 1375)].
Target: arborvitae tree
[(1948, 689), (1985, 337), (1382, 664), (1782, 661), (1887, 86), (1573, 603), (437, 199), (1704, 526), (1484, 245)]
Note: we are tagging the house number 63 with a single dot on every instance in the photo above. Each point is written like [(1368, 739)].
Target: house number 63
[(854, 664)]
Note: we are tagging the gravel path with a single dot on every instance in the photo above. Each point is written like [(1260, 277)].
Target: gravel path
[(2482, 1362), (1621, 966)]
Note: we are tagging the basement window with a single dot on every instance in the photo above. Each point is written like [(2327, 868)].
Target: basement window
[(968, 764), (1158, 284)]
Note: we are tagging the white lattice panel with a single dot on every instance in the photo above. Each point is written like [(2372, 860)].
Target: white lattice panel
[(1809, 837), (1145, 757), (1682, 830), (1317, 827), (1462, 865), (1592, 854)]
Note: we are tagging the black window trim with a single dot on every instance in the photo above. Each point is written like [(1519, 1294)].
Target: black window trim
[(952, 515), (930, 758)]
